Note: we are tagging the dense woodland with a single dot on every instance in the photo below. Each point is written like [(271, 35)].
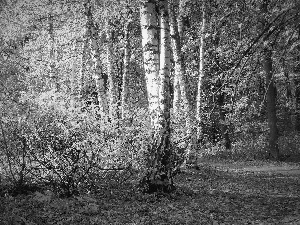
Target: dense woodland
[(144, 88)]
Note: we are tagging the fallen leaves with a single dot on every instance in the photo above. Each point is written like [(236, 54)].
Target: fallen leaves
[(205, 196)]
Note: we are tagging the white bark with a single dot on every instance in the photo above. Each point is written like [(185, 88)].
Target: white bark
[(126, 71), (201, 68), (53, 81), (73, 76), (164, 74), (180, 17), (176, 27), (151, 56), (159, 173), (96, 76), (83, 63), (177, 94), (73, 69), (182, 80), (112, 92)]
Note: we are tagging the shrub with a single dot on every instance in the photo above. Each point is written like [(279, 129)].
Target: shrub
[(67, 147)]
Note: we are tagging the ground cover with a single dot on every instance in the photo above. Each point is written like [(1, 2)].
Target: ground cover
[(219, 192)]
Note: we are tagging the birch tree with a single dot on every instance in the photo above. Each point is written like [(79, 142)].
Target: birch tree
[(176, 34), (126, 69), (85, 55), (97, 75), (159, 173), (112, 92), (53, 81), (180, 80), (73, 79), (201, 67), (177, 26), (150, 44)]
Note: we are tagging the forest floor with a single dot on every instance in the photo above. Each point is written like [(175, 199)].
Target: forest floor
[(256, 192)]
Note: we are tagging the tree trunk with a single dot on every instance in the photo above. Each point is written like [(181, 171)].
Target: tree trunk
[(222, 121), (296, 97), (295, 118), (177, 95), (73, 69), (201, 71), (159, 172), (271, 106), (271, 91), (83, 67), (53, 81), (126, 71), (221, 97), (180, 17), (96, 78), (183, 83), (150, 45), (73, 77), (176, 27), (112, 90), (164, 94)]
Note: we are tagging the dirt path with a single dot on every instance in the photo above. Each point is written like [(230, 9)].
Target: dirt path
[(292, 169)]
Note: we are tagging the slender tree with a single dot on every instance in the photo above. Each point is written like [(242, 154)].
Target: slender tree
[(126, 70), (73, 77), (53, 81), (176, 25), (112, 92), (96, 78), (271, 91), (85, 56), (201, 67), (159, 173), (182, 87)]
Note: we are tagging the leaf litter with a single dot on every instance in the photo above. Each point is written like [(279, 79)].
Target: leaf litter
[(206, 195)]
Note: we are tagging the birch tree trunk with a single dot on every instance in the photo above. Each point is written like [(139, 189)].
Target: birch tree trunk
[(271, 91), (112, 92), (73, 77), (73, 68), (201, 69), (53, 81), (183, 83), (180, 17), (126, 71), (159, 173), (164, 87), (97, 75), (85, 53), (177, 95), (150, 45), (176, 26)]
